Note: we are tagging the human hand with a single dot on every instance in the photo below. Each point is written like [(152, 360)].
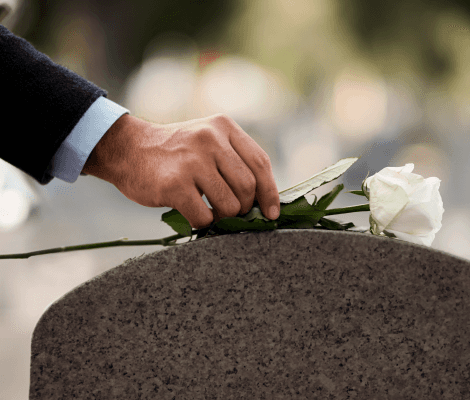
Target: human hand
[(173, 165)]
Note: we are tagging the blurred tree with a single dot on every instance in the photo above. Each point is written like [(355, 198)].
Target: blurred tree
[(299, 38), (128, 25), (380, 25)]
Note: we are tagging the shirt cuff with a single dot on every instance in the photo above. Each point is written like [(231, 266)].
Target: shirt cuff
[(73, 153)]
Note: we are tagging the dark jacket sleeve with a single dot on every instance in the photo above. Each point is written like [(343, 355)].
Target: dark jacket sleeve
[(41, 103)]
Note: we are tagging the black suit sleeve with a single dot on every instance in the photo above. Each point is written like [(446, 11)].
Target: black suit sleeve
[(41, 103)]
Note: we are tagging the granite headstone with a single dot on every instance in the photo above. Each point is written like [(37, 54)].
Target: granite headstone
[(285, 314)]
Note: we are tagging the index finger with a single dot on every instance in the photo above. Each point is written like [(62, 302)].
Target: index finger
[(259, 163)]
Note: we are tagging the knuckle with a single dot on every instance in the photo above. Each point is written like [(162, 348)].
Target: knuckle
[(248, 188), (205, 135), (262, 160), (230, 210), (221, 117), (207, 142), (250, 184)]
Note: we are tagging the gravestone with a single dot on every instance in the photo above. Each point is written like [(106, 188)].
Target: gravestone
[(285, 314)]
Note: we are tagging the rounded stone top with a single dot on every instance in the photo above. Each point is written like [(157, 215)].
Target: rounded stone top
[(277, 314)]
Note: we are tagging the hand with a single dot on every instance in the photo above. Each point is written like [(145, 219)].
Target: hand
[(173, 165)]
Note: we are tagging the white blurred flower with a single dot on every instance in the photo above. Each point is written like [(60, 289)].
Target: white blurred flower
[(17, 197), (404, 205), (11, 12), (14, 209)]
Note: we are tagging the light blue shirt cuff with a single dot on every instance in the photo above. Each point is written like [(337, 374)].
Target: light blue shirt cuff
[(73, 153)]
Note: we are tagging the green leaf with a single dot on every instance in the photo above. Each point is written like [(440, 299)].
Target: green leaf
[(255, 213), (179, 223), (237, 224), (299, 206), (300, 221), (328, 198), (299, 215), (334, 225), (358, 192), (327, 175)]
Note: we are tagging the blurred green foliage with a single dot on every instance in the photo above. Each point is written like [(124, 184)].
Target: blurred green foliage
[(372, 29), (381, 24), (129, 25)]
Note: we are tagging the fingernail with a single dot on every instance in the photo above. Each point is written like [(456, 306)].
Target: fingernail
[(273, 212)]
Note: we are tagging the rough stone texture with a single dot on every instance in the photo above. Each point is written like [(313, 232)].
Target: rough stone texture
[(301, 314)]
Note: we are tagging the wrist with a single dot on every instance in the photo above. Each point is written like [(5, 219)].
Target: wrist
[(106, 157)]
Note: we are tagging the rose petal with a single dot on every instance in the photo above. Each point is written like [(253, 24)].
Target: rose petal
[(414, 220), (386, 202), (407, 181), (392, 178), (425, 191), (428, 198), (425, 240)]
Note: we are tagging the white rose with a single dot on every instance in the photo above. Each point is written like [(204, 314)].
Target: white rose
[(404, 204)]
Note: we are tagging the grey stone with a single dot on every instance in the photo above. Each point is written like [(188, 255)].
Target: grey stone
[(301, 314)]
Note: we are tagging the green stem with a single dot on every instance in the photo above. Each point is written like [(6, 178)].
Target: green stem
[(168, 241), (345, 210)]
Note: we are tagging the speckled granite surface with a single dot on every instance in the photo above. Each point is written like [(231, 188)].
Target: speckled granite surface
[(301, 314)]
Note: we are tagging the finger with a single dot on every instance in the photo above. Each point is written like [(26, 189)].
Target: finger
[(238, 176), (259, 163), (215, 214), (194, 209), (217, 191)]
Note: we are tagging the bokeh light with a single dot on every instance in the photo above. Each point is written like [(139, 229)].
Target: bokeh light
[(359, 104), (244, 90), (161, 90), (17, 197)]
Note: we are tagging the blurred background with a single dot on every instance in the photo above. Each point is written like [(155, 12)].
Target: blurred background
[(311, 81)]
